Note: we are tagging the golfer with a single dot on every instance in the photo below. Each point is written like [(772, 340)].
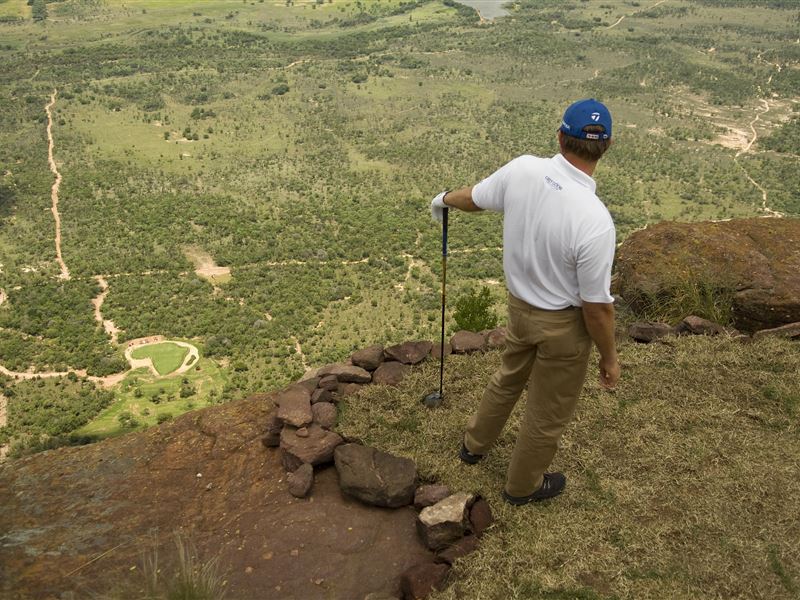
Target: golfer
[(558, 247)]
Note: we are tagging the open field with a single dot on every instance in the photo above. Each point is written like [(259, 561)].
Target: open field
[(256, 176), (166, 357)]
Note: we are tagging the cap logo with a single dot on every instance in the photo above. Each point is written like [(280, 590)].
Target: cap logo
[(595, 116)]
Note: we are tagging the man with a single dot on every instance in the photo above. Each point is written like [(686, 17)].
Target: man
[(558, 247)]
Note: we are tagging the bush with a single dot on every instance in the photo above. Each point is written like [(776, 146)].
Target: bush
[(163, 418), (474, 311)]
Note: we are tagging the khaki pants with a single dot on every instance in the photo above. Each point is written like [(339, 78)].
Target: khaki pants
[(551, 348)]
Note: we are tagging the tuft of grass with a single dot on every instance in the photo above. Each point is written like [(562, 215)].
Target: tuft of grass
[(688, 297), (679, 482), (191, 578)]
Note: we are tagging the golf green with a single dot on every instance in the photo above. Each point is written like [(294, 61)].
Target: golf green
[(166, 356)]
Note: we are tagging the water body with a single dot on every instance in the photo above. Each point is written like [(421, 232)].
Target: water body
[(488, 9)]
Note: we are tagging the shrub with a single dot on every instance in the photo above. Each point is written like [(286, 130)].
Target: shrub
[(474, 311)]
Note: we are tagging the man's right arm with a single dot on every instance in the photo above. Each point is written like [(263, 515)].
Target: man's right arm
[(599, 319)]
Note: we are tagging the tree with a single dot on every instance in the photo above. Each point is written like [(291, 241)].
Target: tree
[(39, 10), (474, 311)]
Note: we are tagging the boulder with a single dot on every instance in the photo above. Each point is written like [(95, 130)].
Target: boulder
[(693, 325), (460, 548), (480, 516), (309, 384), (321, 395), (409, 353), (272, 435), (294, 406), (496, 338), (375, 477), (348, 389), (368, 358), (446, 521), (329, 382), (324, 414), (301, 480), (390, 373), (466, 342), (420, 580), (648, 331), (751, 262), (315, 449), (436, 350), (428, 495), (347, 373), (792, 331)]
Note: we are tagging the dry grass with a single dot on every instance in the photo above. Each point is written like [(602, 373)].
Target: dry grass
[(682, 484)]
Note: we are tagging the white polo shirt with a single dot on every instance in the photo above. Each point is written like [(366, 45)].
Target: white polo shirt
[(558, 237)]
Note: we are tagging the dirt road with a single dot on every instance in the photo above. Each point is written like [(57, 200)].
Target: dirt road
[(56, 184)]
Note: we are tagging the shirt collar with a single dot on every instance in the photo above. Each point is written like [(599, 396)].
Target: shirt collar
[(574, 172)]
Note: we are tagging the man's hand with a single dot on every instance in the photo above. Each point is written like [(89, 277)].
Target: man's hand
[(437, 207), (609, 373)]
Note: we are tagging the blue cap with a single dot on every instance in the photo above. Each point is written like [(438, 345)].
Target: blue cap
[(583, 113)]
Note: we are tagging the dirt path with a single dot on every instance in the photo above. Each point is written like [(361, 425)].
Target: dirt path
[(300, 353), (56, 184), (3, 296), (622, 18), (3, 412), (108, 324)]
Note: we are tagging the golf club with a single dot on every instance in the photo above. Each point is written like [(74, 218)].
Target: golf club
[(434, 399)]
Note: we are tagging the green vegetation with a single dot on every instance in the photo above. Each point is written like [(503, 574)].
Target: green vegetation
[(652, 470), (474, 311), (166, 356), (298, 146)]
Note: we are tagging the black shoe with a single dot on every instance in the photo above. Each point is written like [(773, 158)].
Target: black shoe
[(468, 457), (552, 485)]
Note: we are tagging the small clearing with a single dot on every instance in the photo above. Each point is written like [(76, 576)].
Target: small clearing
[(205, 267)]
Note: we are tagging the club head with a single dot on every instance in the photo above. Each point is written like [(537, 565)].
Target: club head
[(433, 400)]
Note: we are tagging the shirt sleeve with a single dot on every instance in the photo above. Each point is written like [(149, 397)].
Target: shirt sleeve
[(490, 193), (595, 258)]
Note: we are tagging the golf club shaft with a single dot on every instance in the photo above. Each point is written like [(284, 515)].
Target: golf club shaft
[(444, 287)]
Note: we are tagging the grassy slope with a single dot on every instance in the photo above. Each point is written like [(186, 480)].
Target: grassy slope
[(682, 484)]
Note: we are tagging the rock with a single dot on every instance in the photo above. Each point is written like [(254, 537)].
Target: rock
[(368, 358), (347, 373), (316, 449), (329, 382), (420, 580), (648, 331), (302, 432), (496, 338), (390, 373), (321, 395), (348, 389), (294, 406), (409, 353), (460, 548), (465, 342), (792, 331), (753, 262), (480, 516), (309, 384), (698, 326), (446, 521), (380, 596), (272, 437), (428, 495), (436, 350), (301, 480), (375, 477), (324, 414)]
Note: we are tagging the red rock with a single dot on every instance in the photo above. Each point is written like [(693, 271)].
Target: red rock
[(465, 342), (369, 358), (295, 406), (480, 516), (698, 326), (272, 437), (316, 449), (301, 480), (459, 549), (375, 477), (309, 384), (409, 353), (324, 414), (436, 350), (428, 495), (647, 331), (329, 382), (420, 580), (792, 331), (347, 373), (496, 338), (321, 395)]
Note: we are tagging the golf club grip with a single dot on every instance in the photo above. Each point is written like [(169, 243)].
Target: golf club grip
[(444, 232)]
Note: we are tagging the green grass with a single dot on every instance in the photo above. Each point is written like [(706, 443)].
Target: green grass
[(166, 357), (681, 484)]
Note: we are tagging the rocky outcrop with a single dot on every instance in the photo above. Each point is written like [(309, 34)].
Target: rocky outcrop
[(375, 477), (750, 263), (294, 406)]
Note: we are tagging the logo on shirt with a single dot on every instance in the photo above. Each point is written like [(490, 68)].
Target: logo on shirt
[(553, 184)]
